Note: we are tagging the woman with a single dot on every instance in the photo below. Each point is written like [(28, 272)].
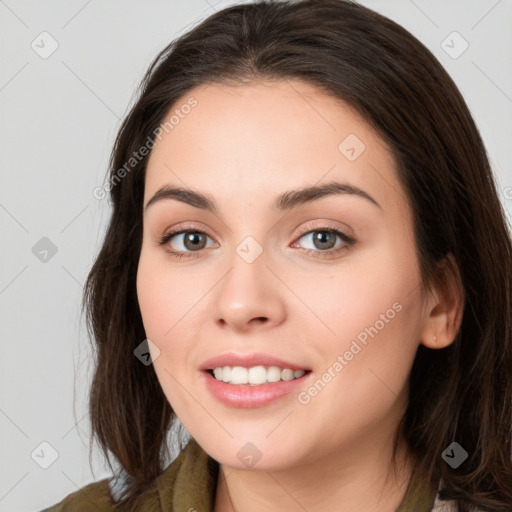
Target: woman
[(342, 338)]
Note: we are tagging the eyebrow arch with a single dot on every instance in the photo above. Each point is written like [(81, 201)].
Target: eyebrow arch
[(286, 201)]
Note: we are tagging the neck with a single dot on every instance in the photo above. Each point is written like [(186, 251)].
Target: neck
[(349, 481)]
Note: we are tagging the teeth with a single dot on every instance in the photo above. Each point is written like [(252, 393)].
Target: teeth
[(273, 374), (255, 375), (239, 375), (287, 375), (226, 373)]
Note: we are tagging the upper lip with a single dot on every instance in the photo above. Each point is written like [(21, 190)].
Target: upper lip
[(248, 360)]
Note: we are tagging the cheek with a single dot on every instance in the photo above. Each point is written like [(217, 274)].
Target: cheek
[(172, 312), (370, 315), (152, 298), (346, 303), (162, 305), (367, 358), (164, 295)]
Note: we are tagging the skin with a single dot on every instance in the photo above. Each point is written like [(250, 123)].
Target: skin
[(243, 146)]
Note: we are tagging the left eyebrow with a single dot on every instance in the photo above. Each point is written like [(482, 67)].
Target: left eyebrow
[(285, 201), (294, 198)]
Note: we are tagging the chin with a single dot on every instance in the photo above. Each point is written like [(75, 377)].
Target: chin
[(253, 453)]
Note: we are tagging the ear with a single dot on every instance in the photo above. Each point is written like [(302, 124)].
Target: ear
[(444, 306)]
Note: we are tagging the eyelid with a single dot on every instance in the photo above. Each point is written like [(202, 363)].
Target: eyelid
[(185, 228), (325, 226)]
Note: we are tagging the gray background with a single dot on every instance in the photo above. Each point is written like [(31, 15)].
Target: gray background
[(59, 115)]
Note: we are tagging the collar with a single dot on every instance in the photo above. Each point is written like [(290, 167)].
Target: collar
[(190, 482)]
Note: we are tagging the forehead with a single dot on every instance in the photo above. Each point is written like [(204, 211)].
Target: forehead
[(266, 136)]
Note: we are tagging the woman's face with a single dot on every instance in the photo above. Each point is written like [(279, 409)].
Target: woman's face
[(265, 273)]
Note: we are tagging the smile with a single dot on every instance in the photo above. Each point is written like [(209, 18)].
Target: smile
[(255, 375), (250, 395)]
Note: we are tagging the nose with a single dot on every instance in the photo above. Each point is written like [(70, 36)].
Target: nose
[(249, 296)]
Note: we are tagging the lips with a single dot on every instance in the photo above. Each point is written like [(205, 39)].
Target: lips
[(249, 360), (248, 395)]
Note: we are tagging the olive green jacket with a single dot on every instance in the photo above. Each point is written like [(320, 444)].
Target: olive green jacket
[(189, 484)]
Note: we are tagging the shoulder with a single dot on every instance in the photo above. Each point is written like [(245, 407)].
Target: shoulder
[(189, 478), (94, 497), (101, 497)]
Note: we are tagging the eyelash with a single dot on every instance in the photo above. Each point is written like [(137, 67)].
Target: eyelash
[(348, 241)]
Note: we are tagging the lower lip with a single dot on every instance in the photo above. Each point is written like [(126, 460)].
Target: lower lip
[(247, 396)]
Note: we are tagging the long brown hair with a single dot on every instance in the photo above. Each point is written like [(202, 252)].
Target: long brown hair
[(462, 393)]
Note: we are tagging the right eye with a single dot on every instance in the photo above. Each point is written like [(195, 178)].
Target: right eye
[(186, 241)]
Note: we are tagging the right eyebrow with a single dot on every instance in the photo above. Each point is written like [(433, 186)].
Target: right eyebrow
[(184, 195)]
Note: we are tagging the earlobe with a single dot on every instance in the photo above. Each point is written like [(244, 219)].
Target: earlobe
[(436, 342), (443, 315)]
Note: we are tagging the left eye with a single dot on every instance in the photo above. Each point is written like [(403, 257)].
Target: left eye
[(324, 239)]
